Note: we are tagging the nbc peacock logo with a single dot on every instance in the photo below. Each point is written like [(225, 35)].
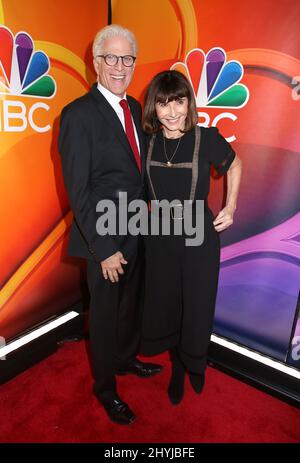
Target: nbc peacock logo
[(216, 84), (215, 81), (23, 71)]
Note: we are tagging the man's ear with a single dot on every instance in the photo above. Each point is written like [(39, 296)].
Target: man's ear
[(95, 63)]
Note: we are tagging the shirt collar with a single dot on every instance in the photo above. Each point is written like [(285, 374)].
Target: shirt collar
[(112, 99)]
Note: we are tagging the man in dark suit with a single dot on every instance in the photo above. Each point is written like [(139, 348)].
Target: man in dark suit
[(103, 154)]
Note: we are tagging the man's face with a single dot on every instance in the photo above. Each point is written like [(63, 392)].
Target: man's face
[(115, 78)]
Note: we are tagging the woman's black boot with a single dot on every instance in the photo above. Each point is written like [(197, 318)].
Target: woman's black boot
[(176, 385), (197, 381)]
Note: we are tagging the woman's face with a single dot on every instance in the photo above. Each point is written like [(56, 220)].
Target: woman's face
[(172, 115)]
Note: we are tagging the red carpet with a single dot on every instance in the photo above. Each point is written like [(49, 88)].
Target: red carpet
[(52, 402)]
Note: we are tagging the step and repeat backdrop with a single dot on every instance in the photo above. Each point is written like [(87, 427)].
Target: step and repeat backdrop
[(243, 61), (45, 62)]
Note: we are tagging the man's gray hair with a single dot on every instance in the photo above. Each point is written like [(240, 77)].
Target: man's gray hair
[(113, 30)]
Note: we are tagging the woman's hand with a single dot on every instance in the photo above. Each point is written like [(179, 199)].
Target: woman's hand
[(224, 219)]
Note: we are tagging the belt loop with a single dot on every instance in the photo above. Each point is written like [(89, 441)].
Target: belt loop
[(172, 209)]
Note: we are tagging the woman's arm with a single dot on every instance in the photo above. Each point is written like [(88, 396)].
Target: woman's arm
[(225, 217)]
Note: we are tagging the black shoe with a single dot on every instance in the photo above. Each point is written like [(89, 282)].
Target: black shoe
[(176, 385), (197, 382), (118, 411), (139, 368)]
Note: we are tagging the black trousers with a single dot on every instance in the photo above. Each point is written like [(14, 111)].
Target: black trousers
[(180, 294), (115, 319)]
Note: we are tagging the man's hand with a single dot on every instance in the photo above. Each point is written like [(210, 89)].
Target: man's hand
[(224, 219), (112, 267)]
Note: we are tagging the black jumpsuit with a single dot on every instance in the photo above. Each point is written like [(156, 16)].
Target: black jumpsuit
[(181, 281)]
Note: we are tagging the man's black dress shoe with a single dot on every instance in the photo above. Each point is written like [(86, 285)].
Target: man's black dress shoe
[(139, 368), (118, 411)]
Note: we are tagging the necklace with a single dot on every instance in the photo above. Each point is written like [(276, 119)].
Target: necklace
[(169, 163)]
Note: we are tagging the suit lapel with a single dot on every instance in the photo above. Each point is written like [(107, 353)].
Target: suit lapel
[(112, 119)]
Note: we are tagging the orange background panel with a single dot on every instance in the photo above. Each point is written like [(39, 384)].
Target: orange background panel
[(37, 278), (69, 23)]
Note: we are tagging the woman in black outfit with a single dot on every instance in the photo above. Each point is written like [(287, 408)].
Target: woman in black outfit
[(181, 280)]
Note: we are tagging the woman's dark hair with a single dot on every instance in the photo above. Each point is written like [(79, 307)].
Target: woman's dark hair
[(164, 87)]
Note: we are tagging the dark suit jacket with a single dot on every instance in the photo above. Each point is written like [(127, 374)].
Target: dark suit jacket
[(98, 163)]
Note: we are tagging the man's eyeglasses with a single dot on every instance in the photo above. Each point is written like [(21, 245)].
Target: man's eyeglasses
[(112, 60)]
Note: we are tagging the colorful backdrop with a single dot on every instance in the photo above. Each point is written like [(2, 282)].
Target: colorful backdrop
[(243, 60), (45, 62)]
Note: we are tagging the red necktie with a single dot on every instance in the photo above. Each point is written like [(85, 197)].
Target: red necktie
[(129, 129)]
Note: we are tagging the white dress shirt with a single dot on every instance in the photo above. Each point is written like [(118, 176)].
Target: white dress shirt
[(114, 102)]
